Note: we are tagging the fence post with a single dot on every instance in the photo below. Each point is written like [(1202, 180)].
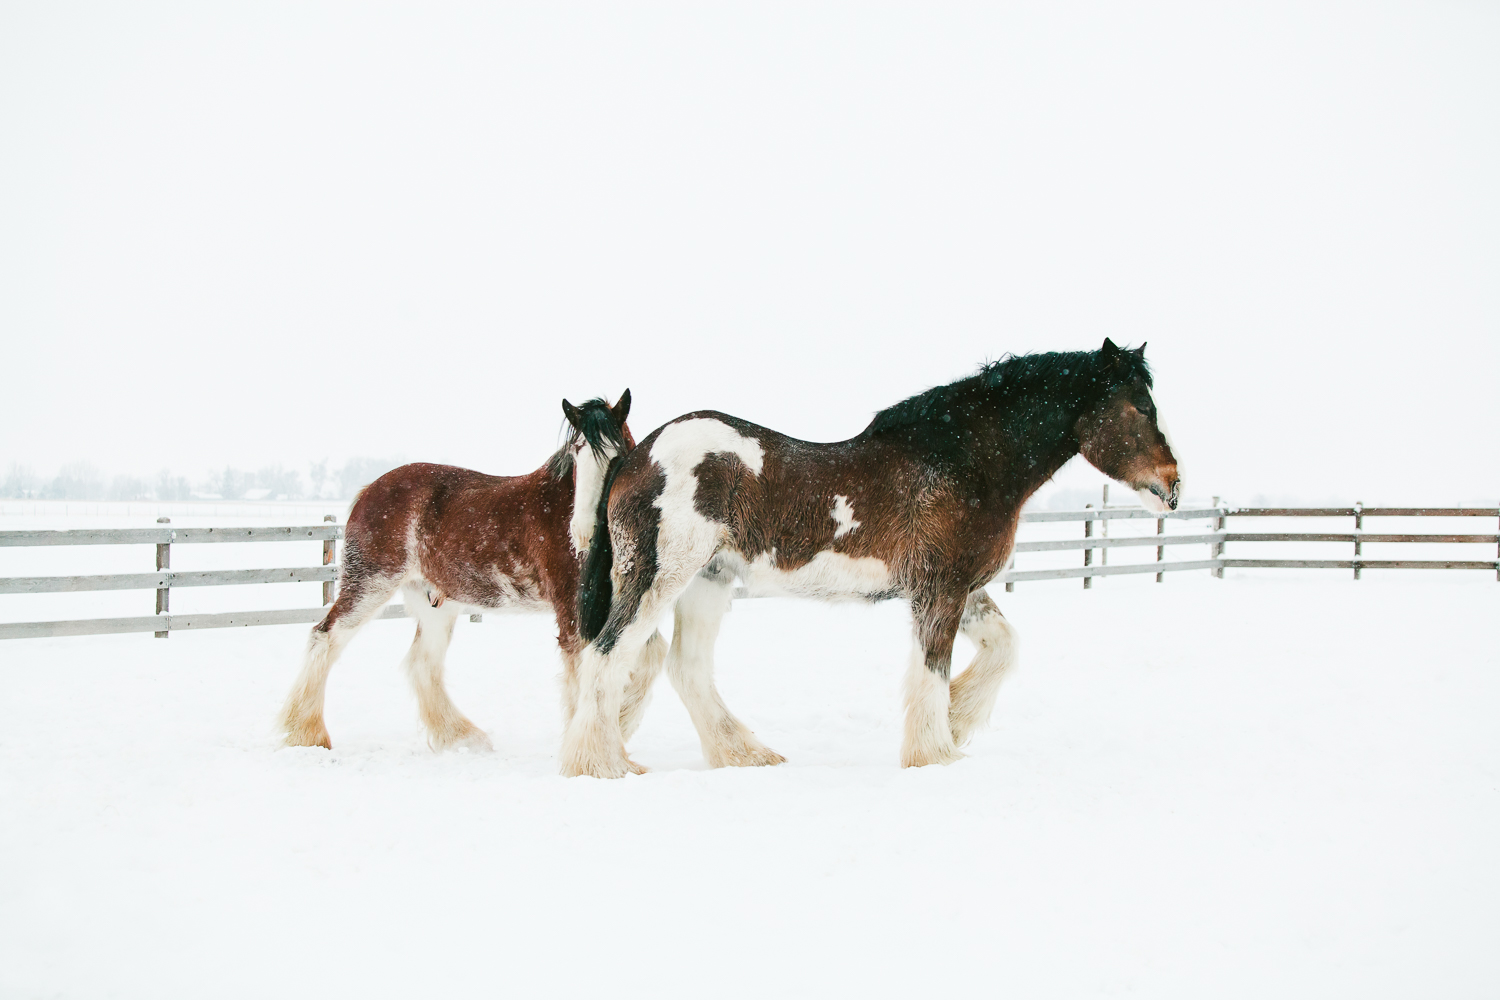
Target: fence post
[(1104, 528), (1217, 551), (1359, 525), (163, 561), (1161, 550), (1010, 585), (328, 549), (1088, 554)]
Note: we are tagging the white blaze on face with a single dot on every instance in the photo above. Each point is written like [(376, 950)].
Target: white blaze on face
[(588, 484), (843, 516)]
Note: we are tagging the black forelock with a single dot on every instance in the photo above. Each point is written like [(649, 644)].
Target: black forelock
[(598, 430)]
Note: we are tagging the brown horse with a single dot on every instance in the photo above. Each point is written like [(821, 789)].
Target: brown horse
[(461, 542), (922, 505)]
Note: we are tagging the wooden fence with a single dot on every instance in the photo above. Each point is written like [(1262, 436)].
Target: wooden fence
[(1218, 535), (165, 578), (1214, 538)]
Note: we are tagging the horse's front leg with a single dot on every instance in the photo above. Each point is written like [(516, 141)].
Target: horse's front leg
[(995, 645), (447, 727), (726, 741), (929, 736)]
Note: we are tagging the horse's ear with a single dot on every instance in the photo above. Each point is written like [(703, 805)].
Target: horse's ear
[(1140, 352), (1108, 351), (574, 414), (621, 409)]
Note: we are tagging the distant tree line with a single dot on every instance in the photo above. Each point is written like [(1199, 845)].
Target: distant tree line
[(84, 481)]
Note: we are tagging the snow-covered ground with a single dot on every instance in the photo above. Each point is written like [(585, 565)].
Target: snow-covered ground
[(1270, 785)]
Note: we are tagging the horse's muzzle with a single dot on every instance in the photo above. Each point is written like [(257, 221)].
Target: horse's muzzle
[(1160, 496)]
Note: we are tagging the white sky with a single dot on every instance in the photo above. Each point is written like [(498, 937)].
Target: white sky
[(259, 233)]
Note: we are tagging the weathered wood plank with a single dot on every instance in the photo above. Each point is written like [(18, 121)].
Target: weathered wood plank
[(1364, 536), (1065, 544), (1291, 511), (1489, 564), (1367, 511), (1117, 514), (1288, 563), (1078, 571), (165, 578), (305, 533), (164, 535), (178, 622), (1288, 536), (1432, 512)]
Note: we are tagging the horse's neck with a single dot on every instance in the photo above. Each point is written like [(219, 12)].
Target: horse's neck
[(1034, 442)]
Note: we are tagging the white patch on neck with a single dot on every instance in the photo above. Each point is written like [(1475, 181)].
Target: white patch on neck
[(843, 516), (588, 484)]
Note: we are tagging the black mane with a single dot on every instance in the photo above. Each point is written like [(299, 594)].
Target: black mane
[(598, 430), (1025, 386)]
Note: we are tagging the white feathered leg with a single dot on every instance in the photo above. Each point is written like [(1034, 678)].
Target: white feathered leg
[(727, 742), (638, 690), (447, 728), (973, 692), (301, 718)]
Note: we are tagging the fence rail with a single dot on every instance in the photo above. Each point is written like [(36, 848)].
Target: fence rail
[(163, 623), (1217, 538), (165, 579)]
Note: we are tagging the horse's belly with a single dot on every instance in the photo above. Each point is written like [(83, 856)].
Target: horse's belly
[(495, 593), (828, 575)]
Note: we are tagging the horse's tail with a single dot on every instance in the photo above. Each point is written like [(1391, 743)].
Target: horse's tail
[(595, 592)]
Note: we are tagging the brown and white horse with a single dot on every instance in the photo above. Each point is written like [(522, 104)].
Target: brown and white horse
[(461, 542), (922, 505)]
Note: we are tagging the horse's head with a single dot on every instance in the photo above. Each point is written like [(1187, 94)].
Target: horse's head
[(1120, 435), (599, 434), (599, 427)]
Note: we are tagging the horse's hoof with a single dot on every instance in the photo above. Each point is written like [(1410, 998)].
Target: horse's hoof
[(748, 757), (471, 738), (615, 768), (944, 756), (308, 736)]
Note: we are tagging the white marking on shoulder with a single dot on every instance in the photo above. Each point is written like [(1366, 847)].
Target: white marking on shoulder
[(843, 516)]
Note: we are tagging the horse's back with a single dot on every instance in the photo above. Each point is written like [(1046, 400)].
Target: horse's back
[(415, 500), (774, 498)]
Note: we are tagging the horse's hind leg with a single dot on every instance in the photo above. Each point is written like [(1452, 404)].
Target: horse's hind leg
[(447, 728), (360, 598), (727, 742), (972, 694), (594, 742), (638, 690)]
